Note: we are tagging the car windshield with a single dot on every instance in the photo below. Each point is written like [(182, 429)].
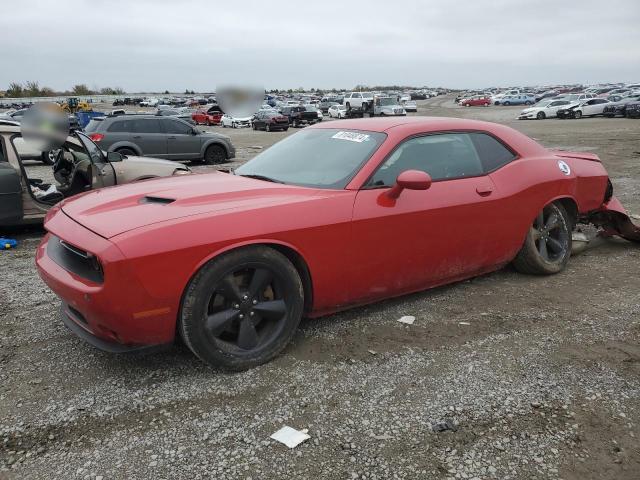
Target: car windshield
[(387, 101), (543, 103), (316, 157)]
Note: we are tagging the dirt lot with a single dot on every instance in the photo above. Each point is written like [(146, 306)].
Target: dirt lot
[(540, 375)]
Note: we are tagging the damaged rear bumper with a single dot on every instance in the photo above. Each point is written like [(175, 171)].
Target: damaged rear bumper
[(613, 218)]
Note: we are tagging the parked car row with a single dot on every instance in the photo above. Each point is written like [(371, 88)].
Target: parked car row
[(578, 105)]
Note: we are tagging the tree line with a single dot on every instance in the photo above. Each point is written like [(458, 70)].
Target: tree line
[(33, 89)]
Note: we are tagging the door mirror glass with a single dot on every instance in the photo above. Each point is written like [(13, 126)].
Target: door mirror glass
[(410, 180), (114, 157)]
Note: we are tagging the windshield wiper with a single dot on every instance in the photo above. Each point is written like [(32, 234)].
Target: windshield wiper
[(259, 177)]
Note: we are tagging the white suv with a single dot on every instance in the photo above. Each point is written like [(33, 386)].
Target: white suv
[(358, 100)]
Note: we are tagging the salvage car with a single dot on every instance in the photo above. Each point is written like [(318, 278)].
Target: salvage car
[(340, 214), (270, 120), (235, 122), (546, 108), (519, 99), (619, 107), (410, 106), (203, 117), (632, 110), (587, 108), (158, 136), (476, 101), (79, 166), (337, 111)]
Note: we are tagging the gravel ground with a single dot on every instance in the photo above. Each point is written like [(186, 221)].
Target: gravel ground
[(532, 377)]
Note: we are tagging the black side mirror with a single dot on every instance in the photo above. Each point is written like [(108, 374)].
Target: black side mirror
[(114, 157), (194, 132)]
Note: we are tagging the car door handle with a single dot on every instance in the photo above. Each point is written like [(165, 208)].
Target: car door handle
[(484, 190), (171, 138), (137, 136)]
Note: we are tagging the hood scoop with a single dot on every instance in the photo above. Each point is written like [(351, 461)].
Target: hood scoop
[(157, 200)]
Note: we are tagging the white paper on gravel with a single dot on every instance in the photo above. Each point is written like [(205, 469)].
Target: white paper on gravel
[(290, 436), (408, 319)]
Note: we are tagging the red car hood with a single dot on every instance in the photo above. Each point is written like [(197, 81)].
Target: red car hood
[(115, 210)]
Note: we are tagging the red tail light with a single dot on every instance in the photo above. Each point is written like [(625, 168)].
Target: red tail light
[(96, 137)]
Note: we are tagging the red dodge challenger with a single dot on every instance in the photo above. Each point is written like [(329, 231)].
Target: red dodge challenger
[(340, 214)]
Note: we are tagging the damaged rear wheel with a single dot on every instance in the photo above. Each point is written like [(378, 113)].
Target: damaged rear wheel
[(547, 247)]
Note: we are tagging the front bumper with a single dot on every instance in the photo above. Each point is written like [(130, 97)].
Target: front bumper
[(77, 324), (116, 313)]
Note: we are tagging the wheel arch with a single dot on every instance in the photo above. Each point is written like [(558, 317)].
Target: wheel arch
[(286, 249), (131, 146), (212, 142)]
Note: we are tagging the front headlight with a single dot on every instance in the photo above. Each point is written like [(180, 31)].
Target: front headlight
[(181, 171)]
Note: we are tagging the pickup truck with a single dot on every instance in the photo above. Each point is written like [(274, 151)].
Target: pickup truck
[(387, 106), (358, 100), (299, 115)]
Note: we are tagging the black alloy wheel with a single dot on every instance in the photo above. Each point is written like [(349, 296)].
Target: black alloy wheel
[(243, 308)]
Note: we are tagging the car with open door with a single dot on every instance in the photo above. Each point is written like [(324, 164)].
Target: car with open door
[(340, 214), (79, 166)]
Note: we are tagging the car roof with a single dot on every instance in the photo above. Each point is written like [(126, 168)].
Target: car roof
[(429, 124)]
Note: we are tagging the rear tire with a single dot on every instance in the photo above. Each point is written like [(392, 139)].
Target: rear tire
[(267, 128), (242, 308), (215, 154), (547, 247)]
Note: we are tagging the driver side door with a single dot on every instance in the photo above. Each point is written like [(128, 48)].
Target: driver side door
[(425, 237), (102, 172)]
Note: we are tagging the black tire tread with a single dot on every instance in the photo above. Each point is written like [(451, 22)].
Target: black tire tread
[(223, 262), (527, 260)]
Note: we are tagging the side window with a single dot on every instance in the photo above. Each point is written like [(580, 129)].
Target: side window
[(3, 158), (179, 128), (121, 126), (146, 125), (493, 154), (443, 156)]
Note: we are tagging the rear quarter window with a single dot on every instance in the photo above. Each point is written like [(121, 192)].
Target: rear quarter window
[(121, 126), (93, 125), (493, 153)]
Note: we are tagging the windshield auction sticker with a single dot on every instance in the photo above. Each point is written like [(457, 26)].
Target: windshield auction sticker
[(352, 136)]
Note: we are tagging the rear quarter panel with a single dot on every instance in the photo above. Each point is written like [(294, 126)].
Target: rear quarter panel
[(526, 185)]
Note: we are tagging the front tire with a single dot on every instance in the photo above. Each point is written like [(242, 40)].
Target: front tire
[(547, 247), (577, 114), (540, 116), (242, 308)]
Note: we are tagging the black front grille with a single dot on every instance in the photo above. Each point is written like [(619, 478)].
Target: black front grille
[(74, 259)]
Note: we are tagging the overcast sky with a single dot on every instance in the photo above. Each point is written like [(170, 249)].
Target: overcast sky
[(153, 45)]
